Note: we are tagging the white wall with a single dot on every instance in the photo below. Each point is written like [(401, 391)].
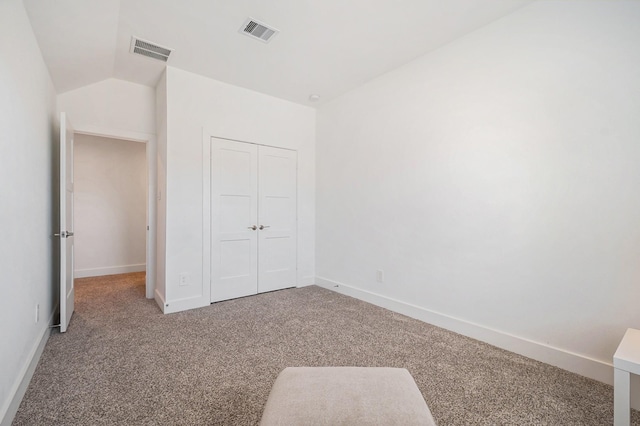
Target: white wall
[(196, 103), (495, 182), (111, 104), (110, 206), (27, 182)]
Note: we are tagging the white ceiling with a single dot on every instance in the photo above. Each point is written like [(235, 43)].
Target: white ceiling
[(325, 47)]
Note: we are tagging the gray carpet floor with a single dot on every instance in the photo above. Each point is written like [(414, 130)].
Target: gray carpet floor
[(123, 362)]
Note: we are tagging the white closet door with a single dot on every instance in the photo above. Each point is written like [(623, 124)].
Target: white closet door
[(234, 208), (277, 219)]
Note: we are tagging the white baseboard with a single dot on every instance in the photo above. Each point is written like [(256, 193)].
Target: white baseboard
[(21, 384), (576, 363), (178, 305), (159, 300), (306, 281), (111, 270)]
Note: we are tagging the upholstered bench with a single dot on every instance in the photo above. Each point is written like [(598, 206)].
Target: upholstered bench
[(345, 396)]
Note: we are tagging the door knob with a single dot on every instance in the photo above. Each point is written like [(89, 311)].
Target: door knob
[(253, 228), (264, 227), (64, 234)]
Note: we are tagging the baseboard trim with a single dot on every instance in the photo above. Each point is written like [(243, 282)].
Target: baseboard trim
[(576, 363), (159, 300), (111, 270), (306, 281), (178, 305), (24, 378)]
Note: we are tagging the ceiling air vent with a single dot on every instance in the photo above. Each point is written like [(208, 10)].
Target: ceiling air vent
[(150, 50), (258, 30)]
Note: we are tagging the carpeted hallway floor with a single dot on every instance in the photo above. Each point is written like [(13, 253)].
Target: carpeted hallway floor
[(123, 362)]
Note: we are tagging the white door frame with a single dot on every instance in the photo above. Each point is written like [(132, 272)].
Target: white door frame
[(152, 183)]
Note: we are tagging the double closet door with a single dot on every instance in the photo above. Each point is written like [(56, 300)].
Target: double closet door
[(253, 219)]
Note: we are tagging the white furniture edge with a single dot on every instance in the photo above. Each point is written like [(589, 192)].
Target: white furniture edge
[(621, 391), (627, 356), (626, 361)]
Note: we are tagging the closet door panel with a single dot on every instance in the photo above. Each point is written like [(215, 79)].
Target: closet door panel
[(234, 203), (277, 245)]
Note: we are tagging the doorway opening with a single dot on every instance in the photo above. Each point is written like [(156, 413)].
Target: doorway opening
[(114, 208)]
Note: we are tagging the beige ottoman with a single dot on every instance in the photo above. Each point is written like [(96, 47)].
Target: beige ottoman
[(345, 396)]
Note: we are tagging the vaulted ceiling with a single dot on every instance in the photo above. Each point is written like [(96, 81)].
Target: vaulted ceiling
[(324, 47)]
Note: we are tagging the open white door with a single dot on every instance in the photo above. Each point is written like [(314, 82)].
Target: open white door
[(66, 223)]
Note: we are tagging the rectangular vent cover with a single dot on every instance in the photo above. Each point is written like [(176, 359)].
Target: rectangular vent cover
[(150, 50), (256, 29)]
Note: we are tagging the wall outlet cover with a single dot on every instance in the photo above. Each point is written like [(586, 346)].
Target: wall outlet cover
[(184, 279)]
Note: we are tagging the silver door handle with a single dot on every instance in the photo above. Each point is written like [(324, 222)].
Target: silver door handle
[(253, 228), (64, 234), (264, 227)]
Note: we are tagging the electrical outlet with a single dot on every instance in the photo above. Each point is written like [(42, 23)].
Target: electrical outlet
[(37, 312), (184, 279), (380, 275)]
